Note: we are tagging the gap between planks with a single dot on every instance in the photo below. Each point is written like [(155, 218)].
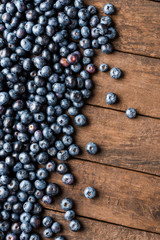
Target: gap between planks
[(119, 110)]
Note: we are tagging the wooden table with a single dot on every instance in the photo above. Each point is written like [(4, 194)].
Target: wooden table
[(126, 172)]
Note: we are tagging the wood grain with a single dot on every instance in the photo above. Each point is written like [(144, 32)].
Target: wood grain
[(138, 25), (124, 197), (95, 230), (129, 143), (139, 87)]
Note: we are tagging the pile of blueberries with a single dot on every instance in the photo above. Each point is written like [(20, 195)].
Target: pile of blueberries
[(44, 81)]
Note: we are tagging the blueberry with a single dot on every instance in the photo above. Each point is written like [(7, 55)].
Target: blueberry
[(131, 113), (73, 150), (56, 227), (80, 120), (11, 236), (84, 43), (103, 67), (4, 98), (115, 73), (51, 166), (68, 179), (25, 185), (63, 155), (24, 236), (66, 204), (48, 233), (111, 98), (91, 148), (26, 45), (107, 48), (52, 189), (47, 221), (74, 225), (69, 215), (26, 227), (109, 9), (62, 168), (47, 199), (89, 192)]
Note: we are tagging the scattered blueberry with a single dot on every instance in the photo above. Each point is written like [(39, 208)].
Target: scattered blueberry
[(111, 98), (91, 148), (89, 192), (131, 113), (115, 73)]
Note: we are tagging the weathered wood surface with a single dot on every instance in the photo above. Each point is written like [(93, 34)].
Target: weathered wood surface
[(123, 142), (95, 230), (139, 87), (124, 197), (138, 25)]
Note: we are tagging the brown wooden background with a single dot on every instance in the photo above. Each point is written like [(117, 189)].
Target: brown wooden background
[(126, 172)]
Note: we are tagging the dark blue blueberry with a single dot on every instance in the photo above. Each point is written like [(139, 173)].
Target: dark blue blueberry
[(94, 21), (83, 14), (69, 215), (24, 236), (131, 113), (26, 227), (95, 44), (109, 9), (115, 73), (63, 120), (107, 48), (103, 67), (66, 204), (3, 192), (69, 130), (47, 221), (111, 34), (89, 192), (52, 151), (73, 150), (89, 52), (80, 120), (63, 155), (106, 20), (11, 236), (74, 225), (85, 43), (68, 179), (25, 185), (4, 98), (102, 40), (59, 145), (47, 233), (62, 168), (92, 9), (52, 189), (25, 217), (67, 140), (76, 34), (111, 98), (56, 227), (26, 45), (85, 32), (95, 32), (47, 199)]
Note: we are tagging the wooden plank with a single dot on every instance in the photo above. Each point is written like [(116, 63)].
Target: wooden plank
[(124, 197), (123, 142), (139, 87), (138, 25), (95, 230)]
